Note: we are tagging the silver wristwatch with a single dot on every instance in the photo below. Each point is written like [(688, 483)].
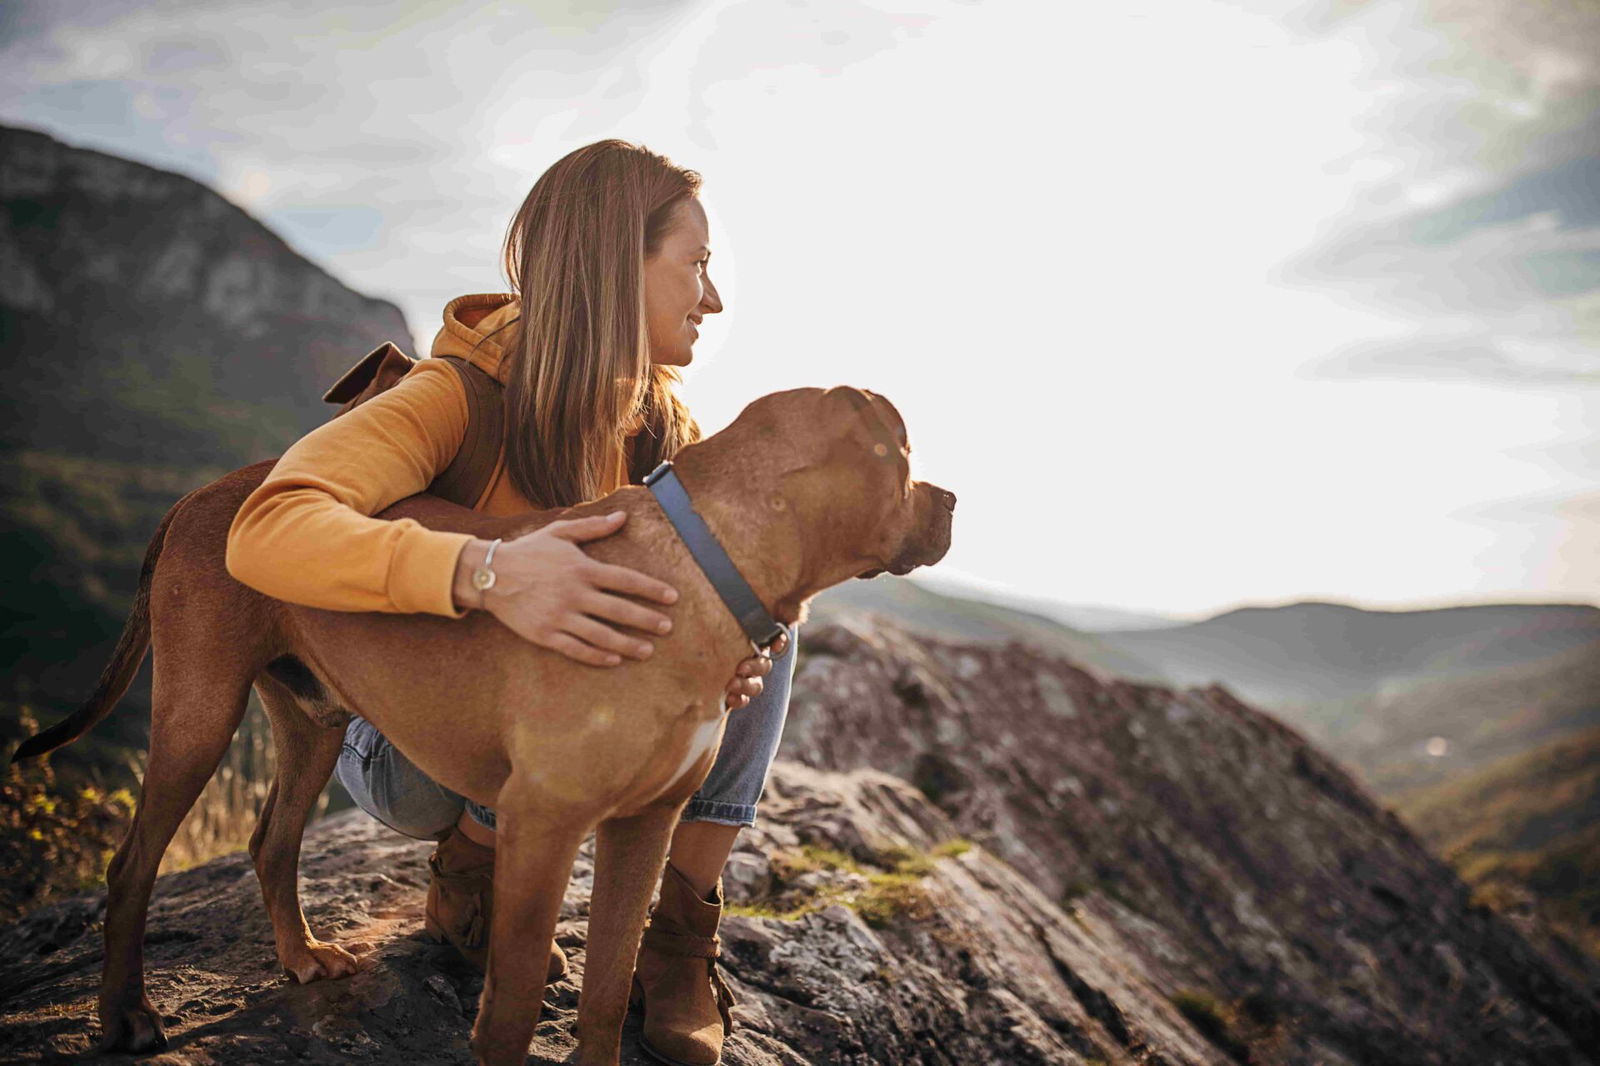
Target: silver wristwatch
[(482, 575)]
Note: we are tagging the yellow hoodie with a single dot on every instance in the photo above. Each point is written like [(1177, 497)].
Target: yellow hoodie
[(305, 534)]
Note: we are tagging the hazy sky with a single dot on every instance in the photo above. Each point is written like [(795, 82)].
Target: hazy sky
[(1084, 249)]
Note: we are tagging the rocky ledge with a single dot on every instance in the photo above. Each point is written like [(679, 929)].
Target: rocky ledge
[(1085, 871)]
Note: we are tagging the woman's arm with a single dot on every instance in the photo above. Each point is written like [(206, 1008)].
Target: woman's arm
[(305, 534)]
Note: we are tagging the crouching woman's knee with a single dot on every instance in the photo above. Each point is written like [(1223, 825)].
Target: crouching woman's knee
[(388, 786)]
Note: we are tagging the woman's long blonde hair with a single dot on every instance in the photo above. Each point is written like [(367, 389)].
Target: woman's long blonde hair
[(580, 368)]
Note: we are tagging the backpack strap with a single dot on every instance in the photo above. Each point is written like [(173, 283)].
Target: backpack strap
[(468, 474)]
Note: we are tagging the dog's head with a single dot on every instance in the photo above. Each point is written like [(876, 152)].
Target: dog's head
[(915, 522), (849, 467)]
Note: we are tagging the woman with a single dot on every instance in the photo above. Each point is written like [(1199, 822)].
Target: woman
[(608, 259)]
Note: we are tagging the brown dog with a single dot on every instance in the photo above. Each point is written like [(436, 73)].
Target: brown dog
[(805, 489)]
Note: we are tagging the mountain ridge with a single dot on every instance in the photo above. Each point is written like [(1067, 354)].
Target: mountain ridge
[(160, 319)]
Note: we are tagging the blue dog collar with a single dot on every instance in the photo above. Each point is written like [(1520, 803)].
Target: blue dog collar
[(758, 625)]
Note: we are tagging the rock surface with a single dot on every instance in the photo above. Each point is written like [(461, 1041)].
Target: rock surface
[(1273, 876), (1152, 877), (969, 965)]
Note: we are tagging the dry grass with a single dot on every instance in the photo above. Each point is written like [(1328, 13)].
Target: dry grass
[(56, 837), (224, 816)]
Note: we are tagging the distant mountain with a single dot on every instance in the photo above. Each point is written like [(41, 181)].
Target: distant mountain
[(918, 607), (1321, 665), (1475, 718), (1088, 618), (145, 319), (154, 336)]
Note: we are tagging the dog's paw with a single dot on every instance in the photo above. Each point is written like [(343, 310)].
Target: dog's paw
[(134, 1028), (317, 961)]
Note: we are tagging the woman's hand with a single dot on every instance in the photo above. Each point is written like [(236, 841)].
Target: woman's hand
[(546, 590), (747, 684)]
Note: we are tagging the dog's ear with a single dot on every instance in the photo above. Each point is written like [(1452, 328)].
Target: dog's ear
[(859, 399), (874, 411)]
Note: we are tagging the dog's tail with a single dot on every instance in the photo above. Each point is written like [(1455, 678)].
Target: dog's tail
[(124, 664)]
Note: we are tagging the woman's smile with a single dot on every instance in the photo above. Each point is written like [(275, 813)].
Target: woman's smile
[(678, 278)]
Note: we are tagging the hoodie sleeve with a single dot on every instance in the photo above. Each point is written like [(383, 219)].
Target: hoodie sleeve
[(305, 534)]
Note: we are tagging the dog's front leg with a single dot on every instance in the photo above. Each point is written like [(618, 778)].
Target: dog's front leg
[(629, 856), (536, 847)]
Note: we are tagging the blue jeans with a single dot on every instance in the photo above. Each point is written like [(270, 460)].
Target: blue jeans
[(388, 786)]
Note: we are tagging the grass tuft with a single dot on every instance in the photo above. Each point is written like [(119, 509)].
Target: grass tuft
[(887, 888)]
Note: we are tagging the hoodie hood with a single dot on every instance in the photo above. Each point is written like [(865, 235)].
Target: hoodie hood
[(470, 325), (474, 330)]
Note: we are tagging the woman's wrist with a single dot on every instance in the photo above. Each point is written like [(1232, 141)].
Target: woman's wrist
[(468, 597)]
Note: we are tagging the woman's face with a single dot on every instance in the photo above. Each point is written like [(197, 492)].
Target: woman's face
[(677, 287)]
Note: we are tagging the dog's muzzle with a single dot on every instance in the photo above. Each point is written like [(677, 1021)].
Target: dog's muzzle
[(930, 532)]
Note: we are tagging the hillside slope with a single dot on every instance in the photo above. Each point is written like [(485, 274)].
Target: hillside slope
[(1525, 831), (1483, 717), (1360, 682)]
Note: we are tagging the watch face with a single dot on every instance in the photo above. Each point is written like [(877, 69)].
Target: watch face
[(482, 579)]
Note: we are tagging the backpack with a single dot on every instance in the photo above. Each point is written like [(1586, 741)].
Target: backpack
[(468, 474)]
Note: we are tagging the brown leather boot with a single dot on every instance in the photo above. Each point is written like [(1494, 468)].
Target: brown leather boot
[(461, 901), (687, 1007)]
